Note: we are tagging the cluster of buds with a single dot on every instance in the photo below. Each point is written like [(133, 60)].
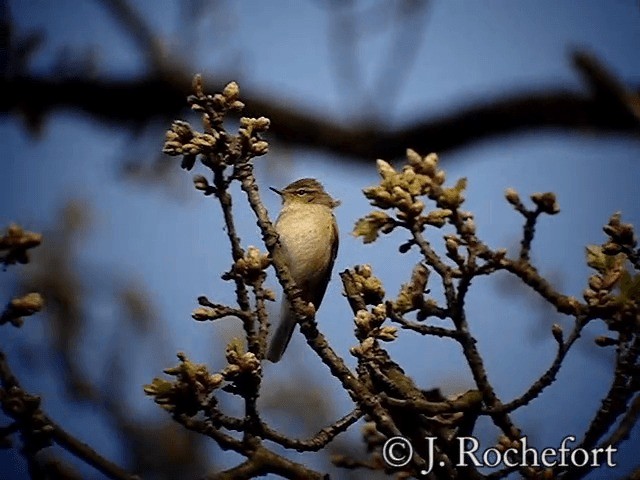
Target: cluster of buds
[(215, 106), (21, 307), (613, 286), (243, 370), (513, 198), (369, 324), (400, 189), (215, 146), (251, 267), (506, 445), (181, 139), (16, 242), (249, 132), (191, 390), (369, 330), (411, 296), (367, 285), (452, 197), (240, 362), (403, 190), (367, 347), (609, 271), (452, 243), (468, 227), (621, 236), (546, 202), (436, 218)]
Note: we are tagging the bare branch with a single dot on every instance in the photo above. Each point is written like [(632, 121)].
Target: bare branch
[(319, 440), (548, 377), (36, 427), (111, 100)]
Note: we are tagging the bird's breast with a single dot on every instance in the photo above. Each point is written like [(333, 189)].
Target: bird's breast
[(307, 233)]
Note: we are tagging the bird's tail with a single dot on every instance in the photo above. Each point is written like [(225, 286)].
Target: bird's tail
[(282, 335)]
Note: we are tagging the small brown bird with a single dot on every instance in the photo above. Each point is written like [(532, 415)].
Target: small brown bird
[(308, 235)]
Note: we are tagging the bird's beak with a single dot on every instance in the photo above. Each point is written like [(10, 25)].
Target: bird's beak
[(276, 190)]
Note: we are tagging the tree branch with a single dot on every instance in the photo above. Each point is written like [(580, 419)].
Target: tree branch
[(34, 424), (111, 101)]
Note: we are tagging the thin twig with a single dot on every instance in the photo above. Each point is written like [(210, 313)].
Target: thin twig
[(547, 378), (530, 276), (317, 441), (425, 329)]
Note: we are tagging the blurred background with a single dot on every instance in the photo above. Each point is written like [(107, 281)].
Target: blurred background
[(538, 96)]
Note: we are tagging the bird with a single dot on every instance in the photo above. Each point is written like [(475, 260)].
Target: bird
[(308, 236)]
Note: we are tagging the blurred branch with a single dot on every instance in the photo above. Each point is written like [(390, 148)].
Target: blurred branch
[(410, 28), (38, 430), (135, 25), (343, 37), (69, 320), (627, 423), (112, 101), (605, 86), (635, 475), (350, 32), (607, 107)]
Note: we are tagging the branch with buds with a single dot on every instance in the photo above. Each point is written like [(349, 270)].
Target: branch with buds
[(411, 199)]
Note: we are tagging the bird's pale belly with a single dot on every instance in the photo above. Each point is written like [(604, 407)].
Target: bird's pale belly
[(308, 251)]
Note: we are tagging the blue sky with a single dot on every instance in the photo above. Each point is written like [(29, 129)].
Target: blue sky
[(173, 243)]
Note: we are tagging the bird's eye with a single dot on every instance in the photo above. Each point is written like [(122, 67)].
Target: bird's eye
[(301, 192)]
